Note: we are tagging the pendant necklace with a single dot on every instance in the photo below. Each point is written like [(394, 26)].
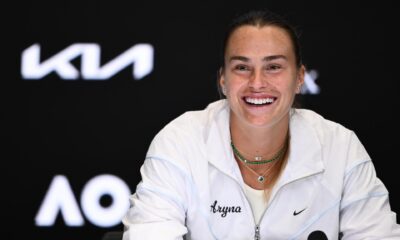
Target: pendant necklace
[(260, 178), (277, 156)]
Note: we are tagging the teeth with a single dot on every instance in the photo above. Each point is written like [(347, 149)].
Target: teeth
[(259, 101)]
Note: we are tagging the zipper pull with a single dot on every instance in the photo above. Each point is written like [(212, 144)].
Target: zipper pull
[(257, 233)]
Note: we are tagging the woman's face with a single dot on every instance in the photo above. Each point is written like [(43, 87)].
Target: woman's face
[(260, 75)]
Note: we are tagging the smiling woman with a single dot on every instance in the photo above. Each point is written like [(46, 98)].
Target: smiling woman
[(249, 165)]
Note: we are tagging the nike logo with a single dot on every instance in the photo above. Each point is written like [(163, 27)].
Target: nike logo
[(297, 213)]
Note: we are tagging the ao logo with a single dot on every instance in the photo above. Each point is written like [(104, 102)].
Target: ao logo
[(140, 55), (60, 199)]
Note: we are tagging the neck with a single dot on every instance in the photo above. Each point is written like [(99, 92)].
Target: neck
[(265, 141)]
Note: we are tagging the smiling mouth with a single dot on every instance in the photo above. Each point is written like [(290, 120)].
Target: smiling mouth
[(259, 101)]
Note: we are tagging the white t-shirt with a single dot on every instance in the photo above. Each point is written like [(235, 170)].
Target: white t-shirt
[(258, 201)]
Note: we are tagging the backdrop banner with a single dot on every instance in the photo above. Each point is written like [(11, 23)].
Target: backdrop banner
[(89, 84)]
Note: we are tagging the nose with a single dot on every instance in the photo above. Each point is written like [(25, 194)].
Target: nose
[(257, 81)]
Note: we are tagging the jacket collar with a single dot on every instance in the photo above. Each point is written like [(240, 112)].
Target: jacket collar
[(217, 138), (305, 150), (305, 155)]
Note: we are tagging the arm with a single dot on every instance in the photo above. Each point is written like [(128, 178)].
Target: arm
[(365, 210), (159, 205)]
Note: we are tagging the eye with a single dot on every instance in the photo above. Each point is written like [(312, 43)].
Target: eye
[(241, 67), (273, 67)]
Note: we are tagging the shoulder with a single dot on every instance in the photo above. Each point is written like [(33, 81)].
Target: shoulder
[(323, 128), (315, 119), (337, 141), (194, 122), (187, 132)]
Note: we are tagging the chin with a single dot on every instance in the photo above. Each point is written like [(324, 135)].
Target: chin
[(267, 121), (260, 123)]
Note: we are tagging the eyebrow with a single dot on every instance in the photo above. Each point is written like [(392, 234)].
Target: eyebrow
[(266, 59)]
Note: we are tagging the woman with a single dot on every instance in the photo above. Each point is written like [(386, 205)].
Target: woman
[(251, 166)]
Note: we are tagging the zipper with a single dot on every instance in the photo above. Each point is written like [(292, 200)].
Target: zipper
[(257, 232), (257, 235)]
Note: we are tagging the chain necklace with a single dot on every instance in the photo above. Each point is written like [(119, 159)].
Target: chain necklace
[(245, 162), (258, 161), (260, 178)]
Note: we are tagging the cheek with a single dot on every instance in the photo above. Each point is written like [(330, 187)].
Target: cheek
[(232, 92), (234, 85), (290, 85), (293, 87), (285, 87)]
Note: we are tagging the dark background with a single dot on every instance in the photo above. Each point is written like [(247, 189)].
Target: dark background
[(82, 129)]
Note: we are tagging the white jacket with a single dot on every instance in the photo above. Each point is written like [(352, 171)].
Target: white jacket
[(192, 188)]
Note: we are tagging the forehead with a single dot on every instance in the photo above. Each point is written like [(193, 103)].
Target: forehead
[(254, 41)]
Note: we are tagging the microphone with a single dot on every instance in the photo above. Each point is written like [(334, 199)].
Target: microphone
[(317, 235)]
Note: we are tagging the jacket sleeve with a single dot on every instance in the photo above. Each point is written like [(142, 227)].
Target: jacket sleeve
[(158, 207), (365, 211)]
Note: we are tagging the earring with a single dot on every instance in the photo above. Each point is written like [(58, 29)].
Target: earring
[(299, 88)]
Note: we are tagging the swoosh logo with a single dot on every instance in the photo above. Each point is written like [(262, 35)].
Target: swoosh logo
[(297, 213)]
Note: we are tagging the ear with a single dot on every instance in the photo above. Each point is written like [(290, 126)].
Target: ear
[(221, 78), (300, 78), (221, 83)]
